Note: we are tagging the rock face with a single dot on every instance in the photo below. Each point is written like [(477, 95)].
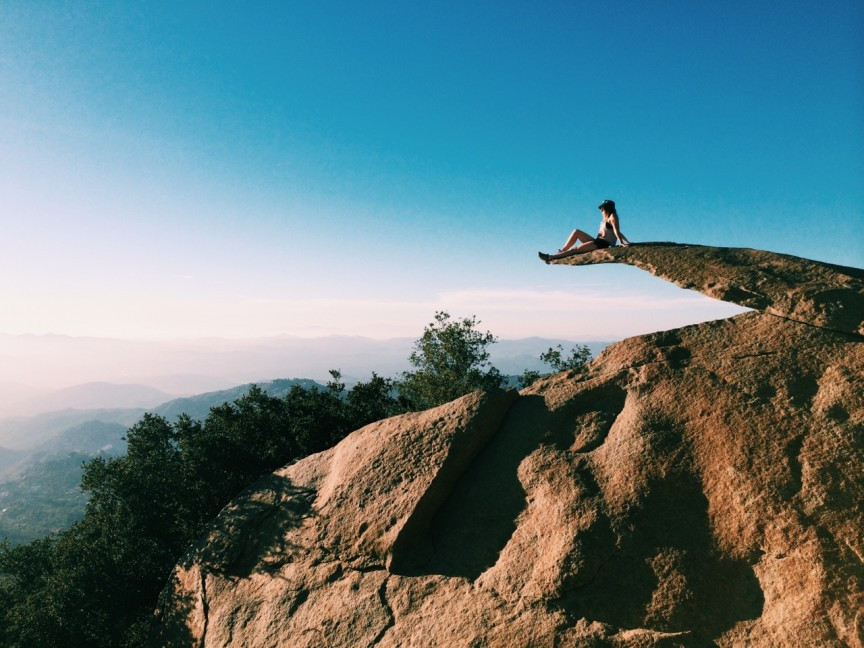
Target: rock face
[(696, 487), (821, 294)]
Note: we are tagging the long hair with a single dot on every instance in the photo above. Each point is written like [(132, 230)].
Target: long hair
[(609, 207)]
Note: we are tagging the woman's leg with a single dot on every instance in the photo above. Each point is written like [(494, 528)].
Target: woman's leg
[(579, 249), (577, 235)]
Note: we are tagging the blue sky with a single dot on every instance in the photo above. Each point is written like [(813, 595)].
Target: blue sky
[(198, 169)]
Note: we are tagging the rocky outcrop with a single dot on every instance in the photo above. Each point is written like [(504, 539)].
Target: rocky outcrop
[(821, 294), (702, 486)]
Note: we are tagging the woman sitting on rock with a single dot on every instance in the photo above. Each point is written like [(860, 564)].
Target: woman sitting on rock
[(609, 235)]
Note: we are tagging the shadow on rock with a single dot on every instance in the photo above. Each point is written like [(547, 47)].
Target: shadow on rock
[(170, 625), (666, 574), (468, 532), (583, 424), (252, 533)]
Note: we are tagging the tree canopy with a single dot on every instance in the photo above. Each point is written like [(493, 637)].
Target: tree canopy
[(451, 359), (555, 358)]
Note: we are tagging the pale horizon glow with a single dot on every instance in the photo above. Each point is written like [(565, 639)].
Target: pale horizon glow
[(507, 313)]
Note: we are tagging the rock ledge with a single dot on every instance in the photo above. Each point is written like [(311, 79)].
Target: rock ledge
[(811, 292)]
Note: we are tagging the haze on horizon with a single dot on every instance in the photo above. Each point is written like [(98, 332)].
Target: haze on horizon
[(48, 373), (323, 168)]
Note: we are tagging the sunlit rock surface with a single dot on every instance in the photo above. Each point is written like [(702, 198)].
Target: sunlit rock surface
[(696, 487), (821, 294)]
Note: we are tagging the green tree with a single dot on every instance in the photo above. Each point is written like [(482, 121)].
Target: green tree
[(27, 618), (555, 358), (451, 360), (374, 400)]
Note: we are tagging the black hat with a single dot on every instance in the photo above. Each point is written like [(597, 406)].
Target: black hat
[(608, 205)]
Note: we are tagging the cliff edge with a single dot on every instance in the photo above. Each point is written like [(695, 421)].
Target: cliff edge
[(821, 294), (696, 487)]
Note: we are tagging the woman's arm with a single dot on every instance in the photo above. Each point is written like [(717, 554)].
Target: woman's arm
[(621, 238)]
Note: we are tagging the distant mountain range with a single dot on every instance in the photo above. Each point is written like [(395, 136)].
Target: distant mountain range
[(40, 477), (198, 407), (95, 395), (33, 366), (28, 434)]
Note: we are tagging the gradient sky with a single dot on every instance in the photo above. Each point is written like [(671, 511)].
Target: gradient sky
[(248, 169)]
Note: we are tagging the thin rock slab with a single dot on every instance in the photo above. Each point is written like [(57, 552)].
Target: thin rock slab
[(812, 292)]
